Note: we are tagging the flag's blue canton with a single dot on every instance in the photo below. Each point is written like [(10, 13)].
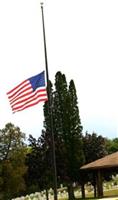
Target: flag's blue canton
[(37, 81)]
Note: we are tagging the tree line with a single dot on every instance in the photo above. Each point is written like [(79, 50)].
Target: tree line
[(26, 168)]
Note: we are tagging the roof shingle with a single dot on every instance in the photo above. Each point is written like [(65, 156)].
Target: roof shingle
[(108, 161)]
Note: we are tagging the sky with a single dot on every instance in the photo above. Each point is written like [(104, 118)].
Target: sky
[(82, 43)]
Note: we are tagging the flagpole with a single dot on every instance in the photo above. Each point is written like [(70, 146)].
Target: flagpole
[(49, 100)]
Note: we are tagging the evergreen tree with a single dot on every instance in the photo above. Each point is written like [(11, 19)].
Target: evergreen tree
[(74, 144), (68, 131), (60, 125)]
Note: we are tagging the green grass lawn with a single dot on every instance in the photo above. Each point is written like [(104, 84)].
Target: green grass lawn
[(106, 193), (109, 193)]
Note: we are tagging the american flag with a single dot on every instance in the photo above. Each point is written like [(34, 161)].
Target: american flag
[(28, 93)]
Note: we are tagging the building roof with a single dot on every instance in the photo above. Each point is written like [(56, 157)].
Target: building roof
[(108, 161)]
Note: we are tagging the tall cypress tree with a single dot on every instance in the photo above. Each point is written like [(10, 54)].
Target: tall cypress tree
[(60, 97), (60, 125), (67, 130), (75, 132), (74, 143)]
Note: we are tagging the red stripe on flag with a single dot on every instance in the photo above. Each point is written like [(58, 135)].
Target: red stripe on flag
[(16, 87), (19, 108), (33, 104), (34, 96)]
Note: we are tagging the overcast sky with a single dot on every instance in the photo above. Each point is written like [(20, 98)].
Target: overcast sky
[(82, 43)]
